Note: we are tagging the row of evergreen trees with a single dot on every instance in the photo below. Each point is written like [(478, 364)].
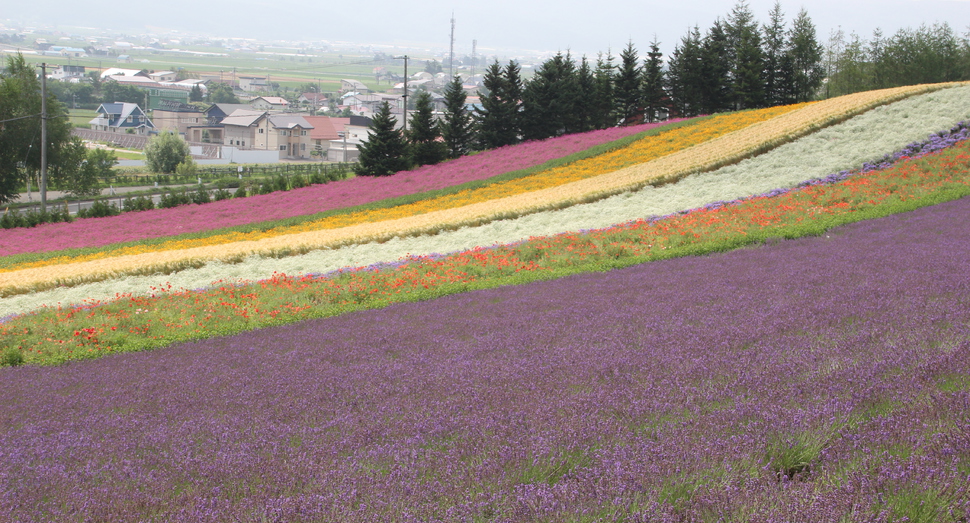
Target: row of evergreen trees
[(737, 64), (427, 141)]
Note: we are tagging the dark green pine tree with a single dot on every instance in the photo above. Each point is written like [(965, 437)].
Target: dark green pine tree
[(491, 118), (747, 59), (498, 118), (550, 98), (457, 127), (385, 151), (715, 82), (627, 87), (585, 107), (804, 56), (684, 75), (512, 99), (654, 96), (195, 95), (774, 54), (423, 133), (603, 115)]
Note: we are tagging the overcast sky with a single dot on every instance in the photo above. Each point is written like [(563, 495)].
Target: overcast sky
[(584, 27)]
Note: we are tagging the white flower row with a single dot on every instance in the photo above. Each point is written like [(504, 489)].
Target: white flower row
[(844, 146)]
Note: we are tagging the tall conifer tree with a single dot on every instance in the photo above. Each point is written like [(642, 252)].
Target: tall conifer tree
[(423, 133), (805, 55), (775, 58), (550, 99), (457, 128), (585, 106), (385, 151), (603, 114), (627, 87), (653, 94), (715, 91), (684, 75), (499, 121), (747, 60)]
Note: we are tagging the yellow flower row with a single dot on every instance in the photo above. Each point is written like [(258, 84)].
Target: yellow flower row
[(643, 150), (723, 150)]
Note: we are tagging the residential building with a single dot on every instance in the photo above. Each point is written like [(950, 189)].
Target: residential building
[(253, 83), (345, 149), (269, 103), (165, 98), (120, 117), (73, 52), (314, 100), (163, 76), (347, 86), (325, 129), (65, 73), (180, 118), (260, 130)]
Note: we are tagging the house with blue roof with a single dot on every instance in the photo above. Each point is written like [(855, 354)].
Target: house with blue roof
[(121, 117)]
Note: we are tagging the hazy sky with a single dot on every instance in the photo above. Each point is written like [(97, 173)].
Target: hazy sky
[(581, 26)]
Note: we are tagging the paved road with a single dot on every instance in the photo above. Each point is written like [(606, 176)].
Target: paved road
[(117, 198)]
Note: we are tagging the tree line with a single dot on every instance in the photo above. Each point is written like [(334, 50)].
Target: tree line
[(928, 54), (737, 63)]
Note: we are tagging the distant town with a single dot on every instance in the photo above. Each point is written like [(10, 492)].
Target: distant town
[(236, 99)]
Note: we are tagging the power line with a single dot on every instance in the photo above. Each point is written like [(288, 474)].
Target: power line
[(20, 118)]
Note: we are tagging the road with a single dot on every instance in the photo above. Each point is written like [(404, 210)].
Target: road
[(74, 205)]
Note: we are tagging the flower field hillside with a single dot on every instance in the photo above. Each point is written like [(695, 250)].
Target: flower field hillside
[(820, 379), (741, 135), (759, 316)]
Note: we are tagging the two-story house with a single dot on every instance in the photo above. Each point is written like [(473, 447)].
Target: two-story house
[(288, 134), (121, 117)]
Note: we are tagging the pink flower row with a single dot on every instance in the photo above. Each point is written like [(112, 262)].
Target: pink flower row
[(309, 200)]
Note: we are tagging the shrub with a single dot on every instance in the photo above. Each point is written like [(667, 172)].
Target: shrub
[(240, 192), (99, 209), (228, 182), (11, 219), (201, 195), (11, 357), (186, 167), (165, 152), (221, 194), (174, 199), (265, 187), (140, 203)]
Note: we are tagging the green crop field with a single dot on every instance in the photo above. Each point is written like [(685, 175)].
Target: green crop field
[(281, 65)]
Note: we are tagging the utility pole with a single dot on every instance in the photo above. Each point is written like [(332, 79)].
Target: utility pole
[(474, 55), (405, 57), (451, 53), (43, 138)]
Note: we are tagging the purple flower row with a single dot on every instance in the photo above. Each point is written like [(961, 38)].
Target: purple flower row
[(819, 379), (159, 223), (936, 142)]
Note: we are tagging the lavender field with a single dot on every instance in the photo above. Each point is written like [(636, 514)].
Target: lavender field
[(819, 379)]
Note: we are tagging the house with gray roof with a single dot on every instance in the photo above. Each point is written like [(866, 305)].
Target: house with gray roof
[(121, 117), (347, 86)]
